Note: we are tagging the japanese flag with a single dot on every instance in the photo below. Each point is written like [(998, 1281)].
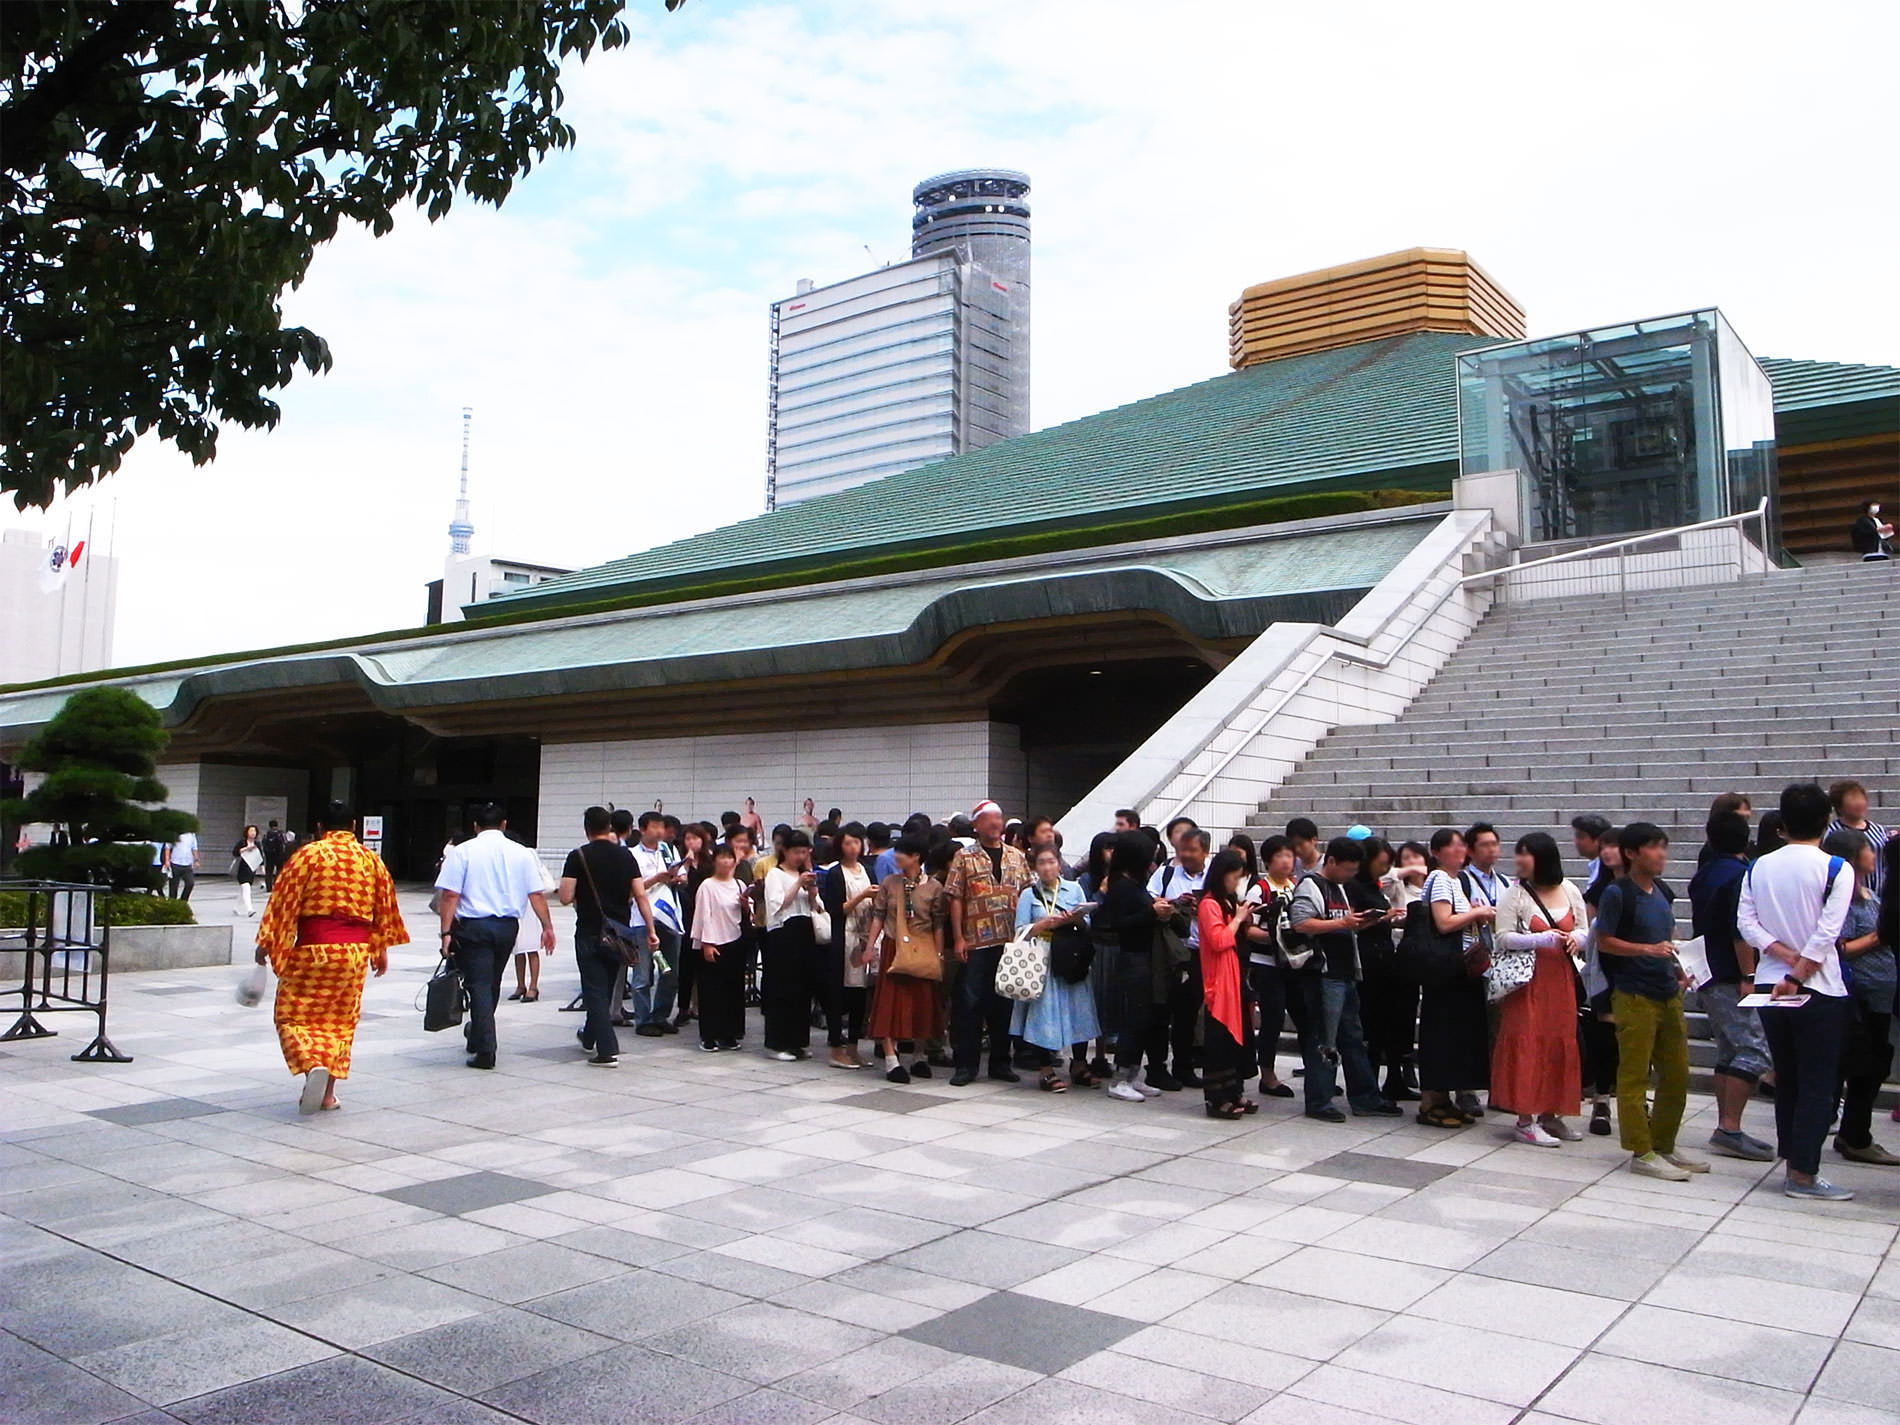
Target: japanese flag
[(60, 561)]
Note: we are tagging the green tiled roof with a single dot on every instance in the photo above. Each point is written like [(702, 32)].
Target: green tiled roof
[(1224, 587), (1801, 385), (1379, 413)]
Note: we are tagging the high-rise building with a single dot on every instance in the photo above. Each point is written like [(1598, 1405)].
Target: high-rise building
[(915, 361)]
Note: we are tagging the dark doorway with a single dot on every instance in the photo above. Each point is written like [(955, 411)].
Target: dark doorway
[(1079, 721), (426, 788)]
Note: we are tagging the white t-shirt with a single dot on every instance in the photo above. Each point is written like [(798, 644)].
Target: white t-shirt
[(663, 898), (784, 897), (1781, 900)]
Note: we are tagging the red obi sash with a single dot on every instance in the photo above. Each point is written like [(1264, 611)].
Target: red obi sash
[(332, 930)]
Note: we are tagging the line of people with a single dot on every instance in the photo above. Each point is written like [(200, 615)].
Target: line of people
[(1166, 964)]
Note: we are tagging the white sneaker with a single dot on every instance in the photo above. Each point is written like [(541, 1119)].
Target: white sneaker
[(783, 1056), (1145, 1089), (1534, 1134), (1127, 1092), (1654, 1165), (1560, 1130)]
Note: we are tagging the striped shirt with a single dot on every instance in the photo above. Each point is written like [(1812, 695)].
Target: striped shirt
[(1877, 837)]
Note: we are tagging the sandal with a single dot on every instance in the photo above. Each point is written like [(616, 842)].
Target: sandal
[(1247, 1105), (1053, 1082), (1080, 1077), (1228, 1111), (1442, 1116)]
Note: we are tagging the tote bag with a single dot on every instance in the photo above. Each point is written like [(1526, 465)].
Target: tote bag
[(1022, 972)]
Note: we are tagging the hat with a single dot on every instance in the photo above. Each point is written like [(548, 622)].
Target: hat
[(1356, 832), (983, 809)]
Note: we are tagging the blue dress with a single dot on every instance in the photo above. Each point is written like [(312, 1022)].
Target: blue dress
[(1063, 1014)]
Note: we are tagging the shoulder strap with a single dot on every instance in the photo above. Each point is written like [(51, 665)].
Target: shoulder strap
[(1834, 865)]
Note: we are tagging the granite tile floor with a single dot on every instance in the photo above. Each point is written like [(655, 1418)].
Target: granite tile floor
[(718, 1238)]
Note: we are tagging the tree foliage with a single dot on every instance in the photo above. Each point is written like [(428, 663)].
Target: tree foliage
[(168, 169), (98, 756)]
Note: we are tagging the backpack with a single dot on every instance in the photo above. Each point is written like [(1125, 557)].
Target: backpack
[(1296, 951), (1835, 865)]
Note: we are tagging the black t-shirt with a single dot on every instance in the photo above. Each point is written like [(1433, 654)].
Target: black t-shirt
[(613, 871), (995, 853)]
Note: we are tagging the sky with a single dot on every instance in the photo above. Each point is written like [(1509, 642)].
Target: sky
[(608, 326)]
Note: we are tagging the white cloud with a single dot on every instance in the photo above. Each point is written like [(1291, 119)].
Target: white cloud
[(609, 327)]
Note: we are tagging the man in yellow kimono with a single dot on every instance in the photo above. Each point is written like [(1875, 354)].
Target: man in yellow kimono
[(332, 916)]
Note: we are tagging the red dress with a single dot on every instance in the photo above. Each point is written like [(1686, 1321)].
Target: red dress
[(1535, 1067)]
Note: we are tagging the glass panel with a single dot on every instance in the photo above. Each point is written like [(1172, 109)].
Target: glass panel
[(1623, 428)]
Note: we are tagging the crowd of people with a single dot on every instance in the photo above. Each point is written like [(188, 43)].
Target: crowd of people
[(1435, 974)]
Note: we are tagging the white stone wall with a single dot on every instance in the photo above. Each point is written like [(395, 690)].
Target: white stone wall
[(215, 793), (870, 772)]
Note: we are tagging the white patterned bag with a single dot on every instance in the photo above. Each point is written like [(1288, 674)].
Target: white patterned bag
[(1022, 971)]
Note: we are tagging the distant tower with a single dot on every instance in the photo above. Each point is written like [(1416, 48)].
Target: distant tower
[(982, 215), (460, 530), (911, 362)]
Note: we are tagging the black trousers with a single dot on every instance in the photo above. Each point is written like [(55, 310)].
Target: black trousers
[(853, 1000), (1805, 1044), (483, 946), (1388, 1010), (722, 994), (831, 994), (686, 965), (600, 973), (1866, 1060), (1280, 997), (978, 1007), (1600, 1052), (789, 967), (1144, 1026), (1184, 1016)]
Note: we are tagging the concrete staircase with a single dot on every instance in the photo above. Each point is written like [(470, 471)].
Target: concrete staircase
[(1554, 708)]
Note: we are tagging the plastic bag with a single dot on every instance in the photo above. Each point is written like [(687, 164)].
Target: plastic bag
[(250, 989)]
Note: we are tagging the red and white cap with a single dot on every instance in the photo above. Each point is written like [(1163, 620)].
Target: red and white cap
[(984, 809)]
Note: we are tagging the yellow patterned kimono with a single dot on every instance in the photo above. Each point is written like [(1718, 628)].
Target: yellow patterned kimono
[(319, 984)]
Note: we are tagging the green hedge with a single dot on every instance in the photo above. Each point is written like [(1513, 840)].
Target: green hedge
[(130, 909)]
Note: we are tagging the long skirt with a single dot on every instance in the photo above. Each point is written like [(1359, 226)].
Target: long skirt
[(1454, 1037), (319, 1000), (1535, 1066), (903, 1006), (1226, 1063), (1061, 1016)]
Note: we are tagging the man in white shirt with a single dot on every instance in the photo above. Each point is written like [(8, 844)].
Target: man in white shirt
[(181, 865), (1181, 881), (1793, 904), (660, 872), (485, 884)]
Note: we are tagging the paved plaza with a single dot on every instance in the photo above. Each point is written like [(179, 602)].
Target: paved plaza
[(718, 1238)]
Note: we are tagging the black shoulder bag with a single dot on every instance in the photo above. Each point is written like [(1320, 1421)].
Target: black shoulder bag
[(618, 940)]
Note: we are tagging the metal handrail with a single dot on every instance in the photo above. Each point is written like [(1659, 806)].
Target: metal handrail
[(1760, 512)]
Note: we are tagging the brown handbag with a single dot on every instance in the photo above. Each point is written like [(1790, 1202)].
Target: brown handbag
[(915, 956)]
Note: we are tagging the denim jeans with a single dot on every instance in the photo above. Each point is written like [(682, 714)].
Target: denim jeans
[(600, 974), (1333, 1038), (653, 993)]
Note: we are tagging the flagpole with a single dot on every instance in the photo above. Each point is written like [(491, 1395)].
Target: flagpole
[(65, 586), (85, 590)]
